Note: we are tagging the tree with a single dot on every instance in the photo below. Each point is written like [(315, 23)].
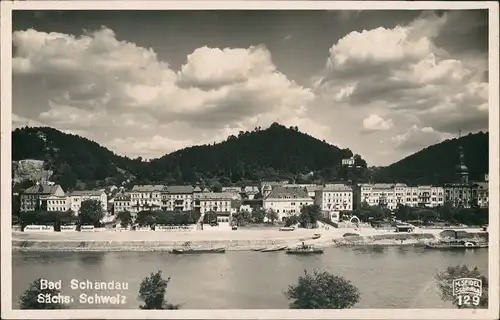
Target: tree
[(291, 220), (322, 290), (35, 298), (272, 216), (152, 291), (258, 215), (309, 215), (445, 284), (125, 218), (91, 212)]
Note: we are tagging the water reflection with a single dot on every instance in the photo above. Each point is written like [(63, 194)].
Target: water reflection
[(386, 276), (375, 249)]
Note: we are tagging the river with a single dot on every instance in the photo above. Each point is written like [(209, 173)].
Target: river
[(389, 277)]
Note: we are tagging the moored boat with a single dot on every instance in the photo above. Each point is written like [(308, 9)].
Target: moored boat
[(304, 249), (316, 236), (190, 251), (273, 249), (287, 229), (460, 244)]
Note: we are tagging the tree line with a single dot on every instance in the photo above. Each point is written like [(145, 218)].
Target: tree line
[(446, 213), (313, 290), (90, 213)]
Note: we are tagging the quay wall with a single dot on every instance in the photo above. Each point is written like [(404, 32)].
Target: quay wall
[(141, 245)]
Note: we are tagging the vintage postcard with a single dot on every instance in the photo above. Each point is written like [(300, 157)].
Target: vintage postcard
[(249, 159)]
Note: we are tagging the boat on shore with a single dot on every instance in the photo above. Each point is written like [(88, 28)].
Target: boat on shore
[(456, 244), (304, 249), (192, 251), (273, 249)]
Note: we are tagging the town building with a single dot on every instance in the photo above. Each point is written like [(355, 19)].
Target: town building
[(177, 198), (387, 195), (251, 191), (461, 193), (146, 198), (268, 186), (286, 201), (77, 197), (218, 202), (57, 203), (35, 198), (334, 197), (121, 203), (424, 196), (482, 194), (231, 189)]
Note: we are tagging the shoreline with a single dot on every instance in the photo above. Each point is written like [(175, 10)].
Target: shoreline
[(246, 240)]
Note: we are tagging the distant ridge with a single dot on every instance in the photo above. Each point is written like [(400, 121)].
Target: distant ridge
[(272, 153), (435, 164)]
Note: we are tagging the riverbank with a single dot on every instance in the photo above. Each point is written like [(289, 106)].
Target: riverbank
[(239, 240)]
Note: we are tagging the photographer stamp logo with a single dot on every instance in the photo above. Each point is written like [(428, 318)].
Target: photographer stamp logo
[(467, 291)]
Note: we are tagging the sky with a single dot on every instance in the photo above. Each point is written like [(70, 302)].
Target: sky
[(384, 84)]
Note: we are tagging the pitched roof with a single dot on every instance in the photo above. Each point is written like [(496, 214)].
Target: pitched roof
[(147, 188), (313, 188), (42, 189), (180, 189), (86, 193), (284, 192), (337, 187), (231, 189), (214, 196), (197, 189)]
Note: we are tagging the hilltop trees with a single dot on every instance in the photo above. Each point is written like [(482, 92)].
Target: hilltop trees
[(322, 290), (152, 292), (274, 153)]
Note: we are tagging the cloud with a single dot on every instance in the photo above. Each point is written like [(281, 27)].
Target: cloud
[(404, 85), (416, 138), (402, 74), (375, 123)]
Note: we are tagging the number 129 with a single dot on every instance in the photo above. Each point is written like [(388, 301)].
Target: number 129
[(466, 300)]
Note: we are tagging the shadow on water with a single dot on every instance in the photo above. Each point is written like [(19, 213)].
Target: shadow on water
[(91, 258), (375, 250)]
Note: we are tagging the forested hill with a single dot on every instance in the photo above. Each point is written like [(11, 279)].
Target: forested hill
[(435, 164), (72, 158), (274, 153)]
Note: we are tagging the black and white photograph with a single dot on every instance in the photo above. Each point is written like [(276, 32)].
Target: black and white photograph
[(294, 159)]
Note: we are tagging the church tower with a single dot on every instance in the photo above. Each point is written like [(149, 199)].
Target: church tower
[(461, 170)]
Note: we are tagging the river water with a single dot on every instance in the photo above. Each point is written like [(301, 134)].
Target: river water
[(390, 277)]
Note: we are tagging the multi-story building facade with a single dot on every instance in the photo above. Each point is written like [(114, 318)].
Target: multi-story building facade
[(57, 203), (286, 201), (121, 203), (382, 194), (146, 198), (334, 197), (482, 194), (424, 196), (177, 198), (77, 197), (218, 202), (36, 197)]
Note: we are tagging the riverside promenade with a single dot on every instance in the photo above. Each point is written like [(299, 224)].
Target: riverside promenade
[(230, 239)]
